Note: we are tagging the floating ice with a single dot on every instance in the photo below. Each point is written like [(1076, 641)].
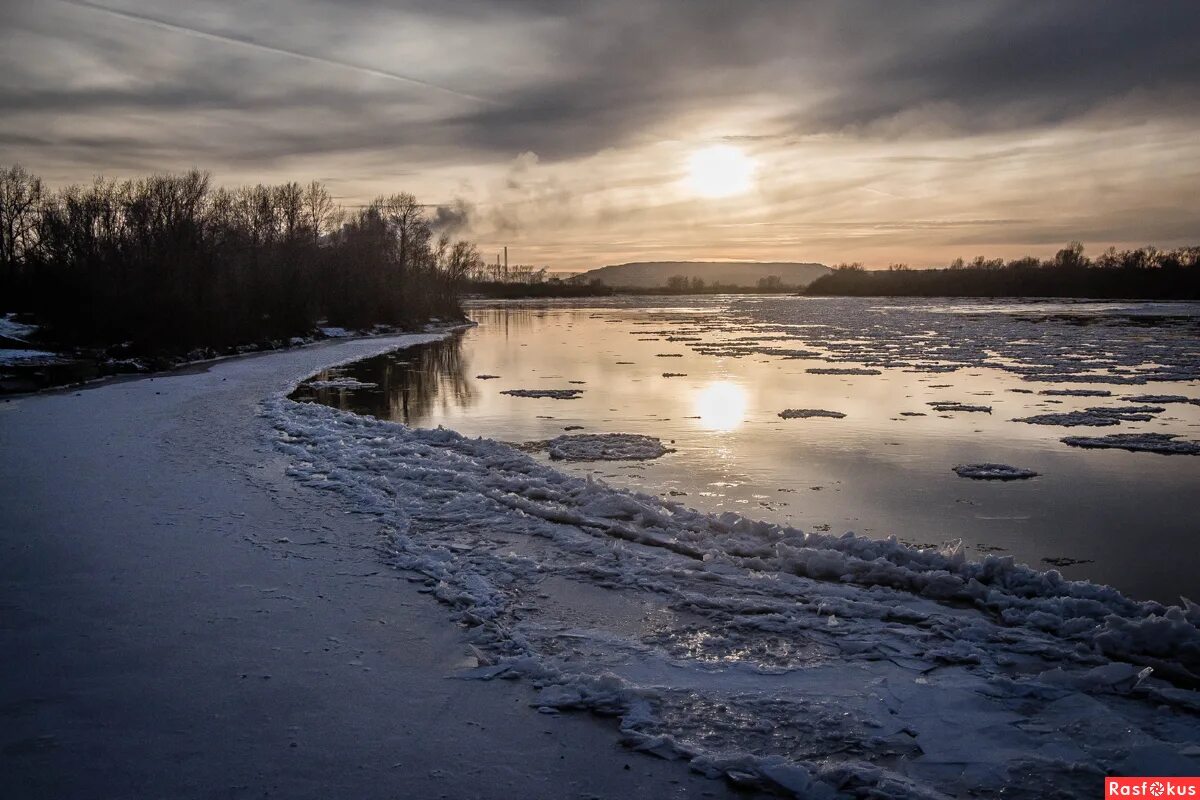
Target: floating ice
[(1071, 419), (1164, 443), (342, 383), (954, 405), (804, 663), (606, 447), (842, 371), (1097, 416), (554, 394), (1076, 392), (805, 413), (1161, 398), (993, 472)]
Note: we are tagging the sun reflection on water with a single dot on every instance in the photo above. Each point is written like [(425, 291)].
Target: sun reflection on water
[(721, 405)]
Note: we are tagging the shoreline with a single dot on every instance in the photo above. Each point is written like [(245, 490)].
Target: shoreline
[(160, 638)]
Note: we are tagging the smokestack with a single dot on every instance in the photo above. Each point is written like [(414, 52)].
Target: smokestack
[(506, 261)]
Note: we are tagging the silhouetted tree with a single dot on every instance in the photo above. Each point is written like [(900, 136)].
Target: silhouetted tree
[(170, 263), (1142, 273)]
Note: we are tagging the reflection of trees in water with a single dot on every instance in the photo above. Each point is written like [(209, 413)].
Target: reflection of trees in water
[(513, 320), (433, 375), (409, 383)]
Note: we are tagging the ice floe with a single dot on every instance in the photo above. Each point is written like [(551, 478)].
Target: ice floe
[(554, 394), (606, 447), (342, 383), (1076, 392), (807, 664), (1161, 398), (1022, 338), (954, 405), (993, 472), (1097, 416), (806, 413), (1164, 443), (842, 371)]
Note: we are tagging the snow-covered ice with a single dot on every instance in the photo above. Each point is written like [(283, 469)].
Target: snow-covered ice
[(806, 413), (605, 447), (1071, 419), (1164, 443), (993, 472), (1076, 392), (954, 405), (1022, 338), (842, 371), (1161, 398), (554, 394), (1096, 416), (341, 383), (803, 663)]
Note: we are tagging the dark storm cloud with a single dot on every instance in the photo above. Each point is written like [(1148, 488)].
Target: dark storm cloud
[(612, 71), (969, 66)]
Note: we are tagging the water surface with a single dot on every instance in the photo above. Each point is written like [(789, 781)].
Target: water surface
[(1127, 519)]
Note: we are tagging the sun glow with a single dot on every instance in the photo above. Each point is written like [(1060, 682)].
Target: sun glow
[(720, 171), (721, 405)]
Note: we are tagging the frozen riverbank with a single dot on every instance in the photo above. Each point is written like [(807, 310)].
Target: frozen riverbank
[(178, 618), (802, 663)]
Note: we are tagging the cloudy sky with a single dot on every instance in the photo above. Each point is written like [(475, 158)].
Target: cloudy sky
[(857, 131)]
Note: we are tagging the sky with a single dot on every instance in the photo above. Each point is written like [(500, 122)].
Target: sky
[(588, 132)]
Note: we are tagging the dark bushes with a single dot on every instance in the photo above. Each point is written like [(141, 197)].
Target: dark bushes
[(1146, 273), (170, 263)]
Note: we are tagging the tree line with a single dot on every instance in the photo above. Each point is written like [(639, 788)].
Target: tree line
[(1146, 273), (170, 262)]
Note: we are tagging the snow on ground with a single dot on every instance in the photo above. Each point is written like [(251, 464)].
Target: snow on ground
[(332, 332), (554, 394), (806, 413), (606, 447), (182, 619), (993, 472), (11, 329), (804, 663), (26, 357), (1164, 443), (341, 383)]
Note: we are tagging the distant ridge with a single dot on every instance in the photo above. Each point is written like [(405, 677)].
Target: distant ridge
[(654, 274)]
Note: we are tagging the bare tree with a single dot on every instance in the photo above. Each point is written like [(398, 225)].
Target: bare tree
[(20, 206)]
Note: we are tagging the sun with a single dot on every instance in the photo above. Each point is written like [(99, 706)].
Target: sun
[(720, 171)]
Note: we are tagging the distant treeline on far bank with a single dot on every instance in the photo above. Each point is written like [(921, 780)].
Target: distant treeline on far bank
[(169, 262), (1145, 273)]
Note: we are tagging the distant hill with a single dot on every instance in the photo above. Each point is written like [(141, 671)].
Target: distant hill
[(655, 274)]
